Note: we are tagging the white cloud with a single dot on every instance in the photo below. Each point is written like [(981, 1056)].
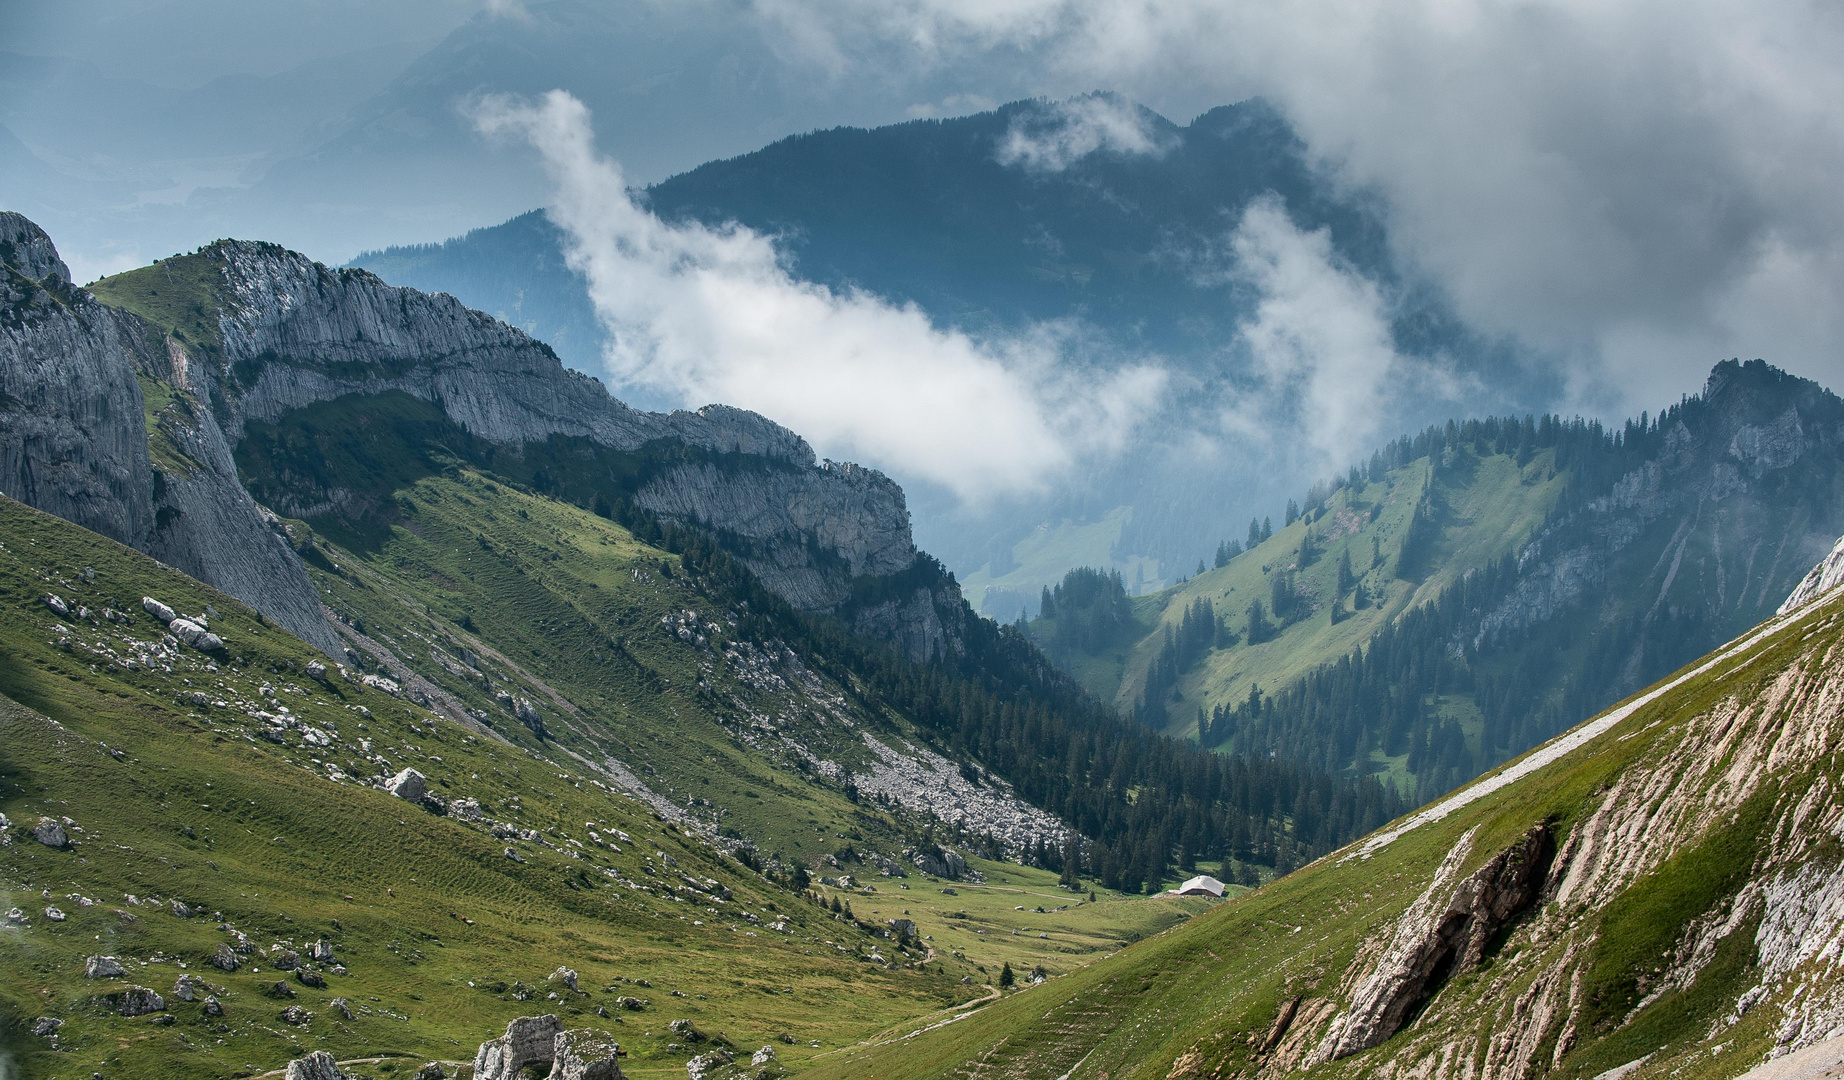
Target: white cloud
[(712, 314), (1059, 134), (1595, 177), (1319, 338)]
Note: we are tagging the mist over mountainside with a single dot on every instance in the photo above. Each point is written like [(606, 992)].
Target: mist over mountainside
[(1480, 587), (1134, 238)]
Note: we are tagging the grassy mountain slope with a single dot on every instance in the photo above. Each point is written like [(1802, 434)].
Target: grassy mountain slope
[(180, 788), (1505, 577), (1679, 926), (1494, 505)]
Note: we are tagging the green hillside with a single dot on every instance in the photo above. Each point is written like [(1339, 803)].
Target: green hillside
[(185, 781), (1489, 505), (1477, 588), (1670, 927)]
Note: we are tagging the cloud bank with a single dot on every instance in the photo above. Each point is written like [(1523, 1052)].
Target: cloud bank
[(1319, 338), (713, 314), (1632, 187)]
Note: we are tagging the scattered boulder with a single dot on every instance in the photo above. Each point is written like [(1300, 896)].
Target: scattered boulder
[(279, 990), (285, 959), (179, 909), (189, 988), (225, 958), (430, 1071), (763, 1056), (343, 1006), (565, 976), (528, 1040), (50, 833), (465, 809), (529, 716), (705, 1064), (311, 978), (139, 1001), (195, 635), (46, 1026), (214, 1007), (103, 967), (158, 610), (321, 951), (57, 605), (686, 1030), (318, 1065), (585, 1054), (632, 1004), (317, 671), (14, 917), (408, 784), (54, 914), (296, 1015)]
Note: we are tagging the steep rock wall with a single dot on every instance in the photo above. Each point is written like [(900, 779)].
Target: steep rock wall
[(77, 439)]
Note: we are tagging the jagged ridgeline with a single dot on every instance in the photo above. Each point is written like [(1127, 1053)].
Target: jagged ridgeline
[(1479, 587), (1652, 894)]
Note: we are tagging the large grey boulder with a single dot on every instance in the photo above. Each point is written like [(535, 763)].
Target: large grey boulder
[(103, 967), (528, 1040), (318, 1065), (225, 958), (408, 784), (139, 1001), (707, 1063), (195, 635), (50, 832), (585, 1054), (158, 610)]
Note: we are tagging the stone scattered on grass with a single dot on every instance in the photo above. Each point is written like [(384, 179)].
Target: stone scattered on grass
[(158, 610), (214, 1007), (50, 833), (528, 1040), (54, 914), (408, 784), (225, 959), (707, 1063), (46, 1026), (57, 605), (311, 978), (140, 1001), (296, 1015), (318, 1065), (188, 988), (103, 967)]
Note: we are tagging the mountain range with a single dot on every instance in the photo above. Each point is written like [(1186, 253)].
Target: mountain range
[(1129, 249), (373, 682)]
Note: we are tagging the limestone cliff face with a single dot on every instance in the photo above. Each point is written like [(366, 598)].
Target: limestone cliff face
[(72, 440), (295, 332), (283, 333), (75, 439)]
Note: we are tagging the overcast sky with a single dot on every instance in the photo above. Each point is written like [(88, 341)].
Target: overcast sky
[(1630, 188)]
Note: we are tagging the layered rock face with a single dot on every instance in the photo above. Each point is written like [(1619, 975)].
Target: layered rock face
[(75, 439), (295, 333), (286, 333)]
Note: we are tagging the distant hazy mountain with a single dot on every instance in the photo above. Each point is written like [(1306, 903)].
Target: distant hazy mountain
[(942, 213)]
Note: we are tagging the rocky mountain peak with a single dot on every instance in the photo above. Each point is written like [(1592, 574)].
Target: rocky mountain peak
[(26, 249)]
